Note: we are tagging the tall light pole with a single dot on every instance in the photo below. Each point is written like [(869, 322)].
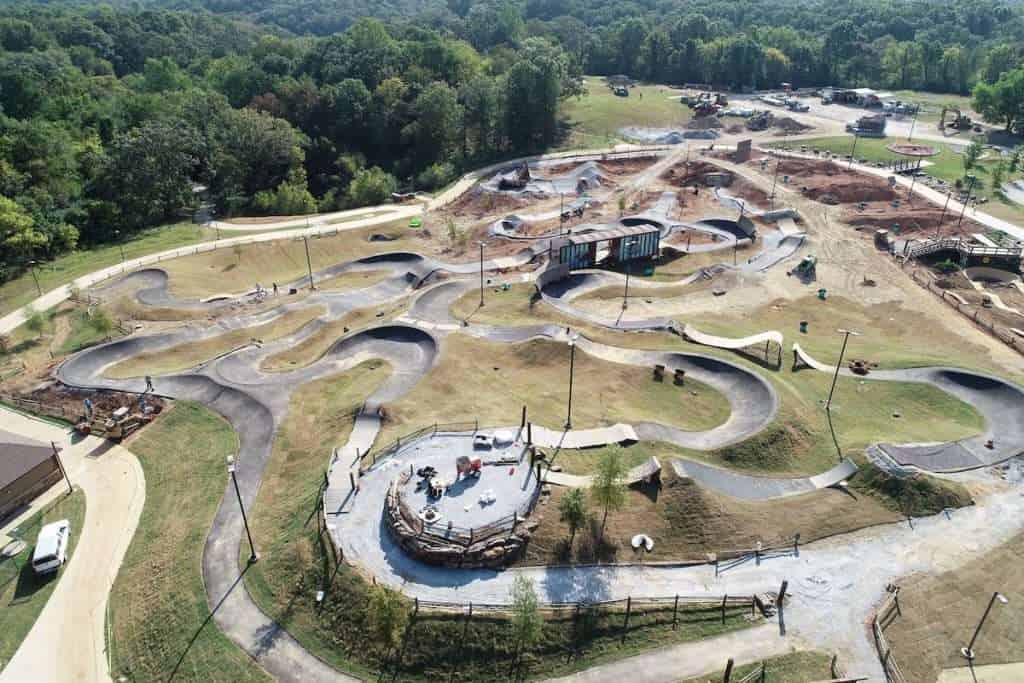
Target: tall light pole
[(481, 274), (245, 520), (309, 262), (32, 269), (963, 208), (561, 213), (942, 216), (968, 652), (775, 179), (835, 378), (853, 150), (912, 123), (630, 245), (572, 369), (120, 244)]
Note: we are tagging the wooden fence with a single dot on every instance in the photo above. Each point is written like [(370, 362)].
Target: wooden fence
[(988, 324), (884, 616)]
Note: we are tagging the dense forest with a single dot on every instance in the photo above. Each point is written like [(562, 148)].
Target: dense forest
[(112, 116)]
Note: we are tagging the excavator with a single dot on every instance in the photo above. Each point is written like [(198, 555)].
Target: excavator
[(960, 121)]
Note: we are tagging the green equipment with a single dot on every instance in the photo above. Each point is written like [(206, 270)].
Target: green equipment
[(806, 268), (415, 222)]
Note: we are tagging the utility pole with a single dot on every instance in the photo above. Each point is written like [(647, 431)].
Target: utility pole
[(835, 378), (245, 521), (968, 652), (913, 122), (630, 248), (309, 262), (963, 208), (481, 274), (853, 150)]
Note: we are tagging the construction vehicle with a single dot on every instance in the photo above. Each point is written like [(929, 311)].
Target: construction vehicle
[(794, 104), (870, 126), (806, 269), (621, 91), (760, 121), (116, 426), (960, 121)]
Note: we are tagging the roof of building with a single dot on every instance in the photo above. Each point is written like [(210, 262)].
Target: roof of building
[(18, 455), (610, 233)]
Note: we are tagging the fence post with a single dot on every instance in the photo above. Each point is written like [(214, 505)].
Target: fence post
[(416, 607), (625, 624), (529, 433), (675, 613), (728, 671), (522, 421), (782, 593), (896, 600), (724, 598), (834, 666), (764, 671)]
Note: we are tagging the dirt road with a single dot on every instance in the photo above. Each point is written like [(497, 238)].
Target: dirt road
[(68, 640)]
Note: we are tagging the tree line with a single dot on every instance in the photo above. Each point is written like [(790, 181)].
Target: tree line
[(114, 120)]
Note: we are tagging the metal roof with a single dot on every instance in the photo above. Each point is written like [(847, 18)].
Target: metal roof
[(610, 234), (18, 455)]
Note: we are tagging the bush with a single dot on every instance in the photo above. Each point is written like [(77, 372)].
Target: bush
[(435, 176), (371, 186), (946, 267)]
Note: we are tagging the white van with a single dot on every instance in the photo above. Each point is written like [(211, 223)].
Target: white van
[(51, 547)]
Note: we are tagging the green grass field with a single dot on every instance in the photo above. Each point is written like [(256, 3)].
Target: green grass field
[(159, 621), (932, 103), (23, 594), (796, 667), (593, 120)]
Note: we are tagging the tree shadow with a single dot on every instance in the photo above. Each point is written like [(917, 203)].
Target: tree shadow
[(593, 547)]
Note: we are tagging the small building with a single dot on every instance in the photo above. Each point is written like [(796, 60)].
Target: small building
[(27, 469), (624, 244)]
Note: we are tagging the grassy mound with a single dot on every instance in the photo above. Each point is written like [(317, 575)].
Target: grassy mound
[(915, 496)]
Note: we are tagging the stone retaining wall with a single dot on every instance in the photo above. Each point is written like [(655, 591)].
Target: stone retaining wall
[(493, 551)]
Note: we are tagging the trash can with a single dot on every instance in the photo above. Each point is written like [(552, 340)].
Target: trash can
[(822, 294), (803, 327)]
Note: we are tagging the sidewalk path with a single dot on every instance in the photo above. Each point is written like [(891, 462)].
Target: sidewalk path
[(689, 660), (68, 640)]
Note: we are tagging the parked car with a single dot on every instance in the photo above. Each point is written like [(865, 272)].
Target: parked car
[(482, 442), (51, 549)]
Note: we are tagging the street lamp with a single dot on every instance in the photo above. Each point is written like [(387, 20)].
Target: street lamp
[(572, 368), (968, 652), (854, 149), (912, 123), (835, 378), (561, 213), (32, 269), (630, 245), (775, 179), (481, 274), (963, 208), (309, 263), (942, 217), (245, 521), (120, 245)]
